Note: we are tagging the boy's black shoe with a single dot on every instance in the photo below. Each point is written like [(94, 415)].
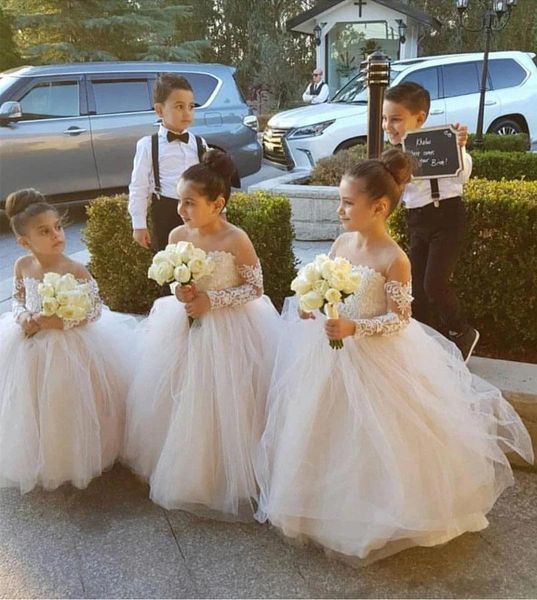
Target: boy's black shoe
[(466, 342)]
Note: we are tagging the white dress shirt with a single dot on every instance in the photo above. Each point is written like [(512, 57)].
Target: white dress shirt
[(320, 98), (174, 158), (418, 193)]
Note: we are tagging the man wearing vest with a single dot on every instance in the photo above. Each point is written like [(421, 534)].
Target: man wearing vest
[(317, 91)]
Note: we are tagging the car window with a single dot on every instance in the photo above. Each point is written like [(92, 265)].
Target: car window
[(6, 81), (461, 79), (52, 99), (355, 91), (428, 78), (121, 96), (202, 84), (505, 73)]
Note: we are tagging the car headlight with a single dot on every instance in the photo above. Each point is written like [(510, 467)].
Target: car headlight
[(311, 130)]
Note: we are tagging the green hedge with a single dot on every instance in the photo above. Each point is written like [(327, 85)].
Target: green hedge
[(329, 170), (120, 266), (498, 165), (519, 142), (496, 274), (493, 164)]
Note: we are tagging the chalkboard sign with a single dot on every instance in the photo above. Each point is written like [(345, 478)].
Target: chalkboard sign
[(437, 152)]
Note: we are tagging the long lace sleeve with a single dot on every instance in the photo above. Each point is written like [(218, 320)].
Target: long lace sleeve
[(399, 296), (18, 298), (96, 307), (251, 289)]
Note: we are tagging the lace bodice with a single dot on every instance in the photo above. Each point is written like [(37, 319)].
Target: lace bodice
[(230, 284), (26, 298), (378, 307)]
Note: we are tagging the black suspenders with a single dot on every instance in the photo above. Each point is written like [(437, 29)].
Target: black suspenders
[(154, 158), (435, 192)]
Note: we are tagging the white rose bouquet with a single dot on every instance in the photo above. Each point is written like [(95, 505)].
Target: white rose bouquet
[(64, 296), (322, 284), (182, 263)]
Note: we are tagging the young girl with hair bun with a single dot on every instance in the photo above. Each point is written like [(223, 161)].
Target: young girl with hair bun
[(388, 442), (63, 380), (196, 407)]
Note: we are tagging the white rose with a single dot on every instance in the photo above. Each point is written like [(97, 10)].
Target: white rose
[(161, 272), (332, 296), (196, 265), (342, 265), (311, 273), (78, 298), (182, 274), (199, 253), (321, 286), (185, 250), (311, 301), (320, 259), (352, 283), (73, 313), (327, 269), (67, 283), (173, 256), (46, 290), (300, 285), (160, 257), (51, 279), (63, 297), (49, 306)]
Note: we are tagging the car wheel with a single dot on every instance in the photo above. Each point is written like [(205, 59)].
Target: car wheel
[(350, 144), (506, 127)]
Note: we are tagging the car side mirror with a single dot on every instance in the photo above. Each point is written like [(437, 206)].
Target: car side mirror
[(10, 111)]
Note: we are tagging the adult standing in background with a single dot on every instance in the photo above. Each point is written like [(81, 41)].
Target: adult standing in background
[(317, 91)]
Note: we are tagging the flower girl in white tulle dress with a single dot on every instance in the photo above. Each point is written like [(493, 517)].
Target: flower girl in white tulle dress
[(196, 407), (63, 377), (389, 442)]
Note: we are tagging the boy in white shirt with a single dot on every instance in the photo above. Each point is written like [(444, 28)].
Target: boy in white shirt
[(160, 161), (436, 219)]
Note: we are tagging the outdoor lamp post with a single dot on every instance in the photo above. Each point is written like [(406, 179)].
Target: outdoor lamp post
[(377, 76), (401, 27), (495, 18), (317, 34)]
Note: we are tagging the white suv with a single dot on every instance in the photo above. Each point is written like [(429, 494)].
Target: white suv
[(298, 138)]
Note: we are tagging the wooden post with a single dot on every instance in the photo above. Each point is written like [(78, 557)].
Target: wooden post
[(377, 77)]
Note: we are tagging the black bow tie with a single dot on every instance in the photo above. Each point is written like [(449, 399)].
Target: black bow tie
[(182, 137)]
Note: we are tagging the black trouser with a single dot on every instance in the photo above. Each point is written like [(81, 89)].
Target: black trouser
[(436, 238), (164, 218)]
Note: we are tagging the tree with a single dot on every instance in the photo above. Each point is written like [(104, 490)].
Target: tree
[(83, 30), (9, 54), (252, 34), (520, 33)]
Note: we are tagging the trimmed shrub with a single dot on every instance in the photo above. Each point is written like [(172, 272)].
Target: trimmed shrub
[(519, 142), (498, 165), (120, 266), (494, 165), (495, 275), (329, 170)]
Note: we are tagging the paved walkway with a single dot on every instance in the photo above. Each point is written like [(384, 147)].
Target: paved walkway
[(111, 541)]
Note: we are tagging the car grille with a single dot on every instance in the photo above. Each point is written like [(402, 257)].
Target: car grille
[(274, 147)]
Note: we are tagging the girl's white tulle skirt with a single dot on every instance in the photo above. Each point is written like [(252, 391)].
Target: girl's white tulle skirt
[(195, 412), (62, 399), (385, 444)]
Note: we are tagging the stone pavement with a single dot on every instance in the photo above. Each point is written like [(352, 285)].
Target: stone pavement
[(111, 541)]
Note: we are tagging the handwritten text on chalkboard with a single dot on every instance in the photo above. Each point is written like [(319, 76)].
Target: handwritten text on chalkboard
[(436, 150)]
